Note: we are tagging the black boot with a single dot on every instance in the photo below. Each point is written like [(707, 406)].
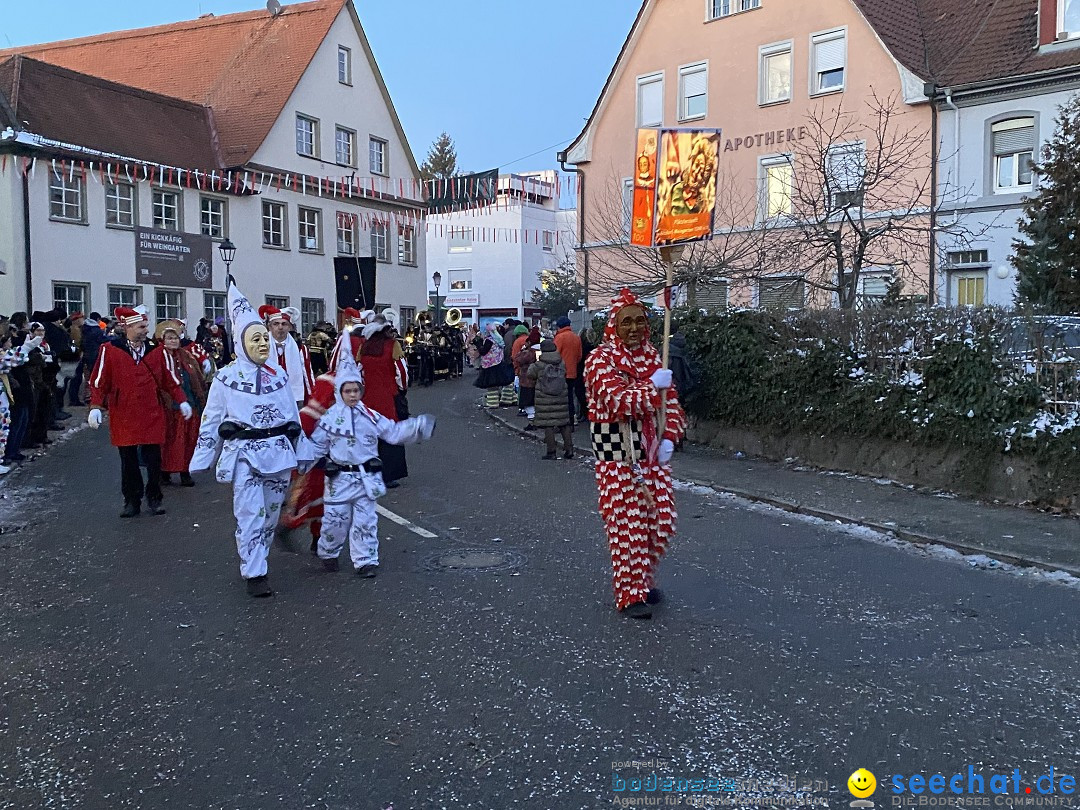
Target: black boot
[(638, 610), (131, 509), (166, 479), (367, 571), (259, 587), (185, 480), (655, 597), (331, 565), (154, 507)]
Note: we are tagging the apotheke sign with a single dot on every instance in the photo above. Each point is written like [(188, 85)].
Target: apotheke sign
[(759, 140)]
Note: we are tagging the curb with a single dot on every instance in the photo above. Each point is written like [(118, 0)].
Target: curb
[(915, 538)]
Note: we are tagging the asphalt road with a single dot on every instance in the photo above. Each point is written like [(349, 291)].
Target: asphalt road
[(135, 671)]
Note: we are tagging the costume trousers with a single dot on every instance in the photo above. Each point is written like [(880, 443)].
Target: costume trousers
[(131, 482), (491, 398), (257, 500), (507, 395), (638, 531), (358, 522)]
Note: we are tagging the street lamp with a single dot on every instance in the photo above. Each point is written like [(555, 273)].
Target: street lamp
[(436, 278), (228, 253)]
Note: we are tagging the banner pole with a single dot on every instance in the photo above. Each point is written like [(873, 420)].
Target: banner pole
[(668, 255)]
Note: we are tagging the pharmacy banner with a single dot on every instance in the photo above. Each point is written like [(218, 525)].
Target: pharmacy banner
[(173, 259), (675, 176)]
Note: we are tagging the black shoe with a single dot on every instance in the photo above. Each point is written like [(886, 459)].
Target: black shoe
[(186, 480), (655, 597), (548, 457), (61, 415), (331, 565), (259, 587), (530, 426), (367, 571), (16, 457), (56, 426), (569, 454), (166, 479), (314, 545), (131, 509), (154, 507), (392, 484), (638, 610)]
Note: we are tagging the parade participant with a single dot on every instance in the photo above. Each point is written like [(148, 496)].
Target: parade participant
[(457, 351), (625, 382), (11, 357), (181, 432), (287, 355), (215, 344), (319, 343), (251, 419), (127, 380), (494, 375), (383, 381), (349, 435)]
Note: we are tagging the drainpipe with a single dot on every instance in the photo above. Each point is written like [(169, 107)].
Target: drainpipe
[(26, 244), (930, 91), (561, 156)]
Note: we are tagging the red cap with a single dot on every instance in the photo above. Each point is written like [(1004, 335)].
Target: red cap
[(129, 317), (74, 316), (269, 313)]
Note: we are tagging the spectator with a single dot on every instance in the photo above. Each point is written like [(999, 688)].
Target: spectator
[(75, 326), (569, 347), (93, 335), (549, 376)]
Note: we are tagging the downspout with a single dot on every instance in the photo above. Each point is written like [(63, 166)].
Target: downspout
[(561, 156), (26, 243), (930, 91), (955, 173)]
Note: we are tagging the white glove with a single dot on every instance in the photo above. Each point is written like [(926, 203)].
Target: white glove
[(427, 425), (665, 451), (661, 378), (185, 410), (207, 366), (34, 342), (94, 418)]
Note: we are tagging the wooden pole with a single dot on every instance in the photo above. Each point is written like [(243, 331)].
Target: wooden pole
[(669, 255)]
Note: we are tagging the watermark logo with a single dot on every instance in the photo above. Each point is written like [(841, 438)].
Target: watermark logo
[(861, 784)]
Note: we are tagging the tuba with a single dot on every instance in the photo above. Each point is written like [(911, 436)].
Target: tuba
[(453, 317), (392, 317)]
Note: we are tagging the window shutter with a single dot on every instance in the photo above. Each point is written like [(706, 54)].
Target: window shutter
[(694, 83), (651, 102), (712, 295), (829, 54), (783, 293), (1010, 138)]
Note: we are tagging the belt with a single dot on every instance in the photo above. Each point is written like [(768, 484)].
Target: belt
[(231, 430), (370, 466)]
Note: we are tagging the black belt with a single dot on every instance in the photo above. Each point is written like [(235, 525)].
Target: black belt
[(370, 466), (231, 430)]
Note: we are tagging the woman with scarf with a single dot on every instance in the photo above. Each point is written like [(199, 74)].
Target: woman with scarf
[(495, 375), (634, 431), (180, 433)]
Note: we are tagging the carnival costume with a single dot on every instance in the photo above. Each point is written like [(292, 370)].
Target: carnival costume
[(251, 420), (496, 377), (290, 356), (632, 475), (181, 433)]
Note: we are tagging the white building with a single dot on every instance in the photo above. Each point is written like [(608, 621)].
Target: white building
[(490, 259), (275, 131)]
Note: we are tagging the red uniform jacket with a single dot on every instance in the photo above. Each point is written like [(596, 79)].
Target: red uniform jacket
[(130, 392)]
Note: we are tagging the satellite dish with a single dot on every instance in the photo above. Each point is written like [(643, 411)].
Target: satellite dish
[(274, 7)]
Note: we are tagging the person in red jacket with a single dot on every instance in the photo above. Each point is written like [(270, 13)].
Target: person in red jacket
[(126, 380), (569, 346)]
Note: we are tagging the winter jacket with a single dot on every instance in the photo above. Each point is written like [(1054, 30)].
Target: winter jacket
[(551, 411), (569, 346), (523, 360), (92, 338)]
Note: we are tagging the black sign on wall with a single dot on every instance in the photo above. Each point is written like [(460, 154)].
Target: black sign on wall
[(173, 259), (354, 278)]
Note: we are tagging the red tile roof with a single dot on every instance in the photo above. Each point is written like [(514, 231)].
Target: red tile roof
[(243, 66), (76, 109)]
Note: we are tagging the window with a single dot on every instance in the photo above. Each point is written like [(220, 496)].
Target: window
[(122, 297), (712, 295), (213, 217), (407, 244), (345, 146), (120, 205), (408, 317), (312, 311), (1014, 149), (627, 207), (169, 304), (279, 301), (959, 257), (214, 305), (828, 58), (549, 240), (970, 289), (307, 136), (774, 71), (693, 91), (70, 297), (650, 100), (846, 171), (66, 196), (344, 65), (1069, 17), (777, 177), (273, 224), (377, 156), (460, 280), (781, 293), (166, 209), (346, 234), (724, 8), (379, 239), (460, 240), (309, 229)]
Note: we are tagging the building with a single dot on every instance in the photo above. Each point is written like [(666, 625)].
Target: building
[(491, 258), (272, 129)]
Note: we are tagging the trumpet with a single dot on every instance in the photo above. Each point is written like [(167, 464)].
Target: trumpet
[(453, 317)]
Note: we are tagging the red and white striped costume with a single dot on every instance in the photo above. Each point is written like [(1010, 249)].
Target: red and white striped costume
[(636, 499)]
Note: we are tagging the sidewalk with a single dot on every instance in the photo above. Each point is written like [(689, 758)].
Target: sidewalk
[(1005, 533)]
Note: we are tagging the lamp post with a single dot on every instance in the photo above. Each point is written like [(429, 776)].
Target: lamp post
[(436, 279), (228, 253)]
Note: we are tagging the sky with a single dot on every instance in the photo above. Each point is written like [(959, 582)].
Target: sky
[(512, 82)]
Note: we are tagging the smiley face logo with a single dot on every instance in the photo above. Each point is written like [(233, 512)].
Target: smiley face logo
[(861, 783)]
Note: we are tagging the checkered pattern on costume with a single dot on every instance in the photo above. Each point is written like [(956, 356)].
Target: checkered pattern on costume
[(607, 441), (617, 380)]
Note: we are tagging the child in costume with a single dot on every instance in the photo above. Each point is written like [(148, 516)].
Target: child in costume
[(348, 435), (251, 419)]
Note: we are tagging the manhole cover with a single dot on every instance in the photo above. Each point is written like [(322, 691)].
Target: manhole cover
[(474, 559)]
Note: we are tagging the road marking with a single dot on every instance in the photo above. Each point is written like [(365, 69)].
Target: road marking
[(408, 524)]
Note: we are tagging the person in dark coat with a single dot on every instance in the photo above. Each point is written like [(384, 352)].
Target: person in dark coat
[(549, 376), (92, 338)]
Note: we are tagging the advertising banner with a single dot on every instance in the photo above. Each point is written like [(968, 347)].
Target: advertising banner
[(643, 211), (173, 259)]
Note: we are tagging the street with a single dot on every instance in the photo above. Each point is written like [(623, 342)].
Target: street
[(485, 667)]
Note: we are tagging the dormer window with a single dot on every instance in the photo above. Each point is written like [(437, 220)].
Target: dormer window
[(1068, 18)]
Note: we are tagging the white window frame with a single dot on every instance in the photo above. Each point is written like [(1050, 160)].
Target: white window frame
[(766, 52), (206, 227), (71, 185), (692, 69), (845, 188), (302, 141), (1015, 186), (465, 237), (180, 301), (465, 285), (645, 81), (821, 38), (162, 222), (67, 302), (279, 301), (344, 65), (269, 207), (407, 245), (627, 207), (380, 241), (719, 9), (346, 234), (350, 158), (123, 301), (308, 319), (113, 207), (308, 229), (383, 167), (765, 163), (210, 309), (973, 274), (549, 241)]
